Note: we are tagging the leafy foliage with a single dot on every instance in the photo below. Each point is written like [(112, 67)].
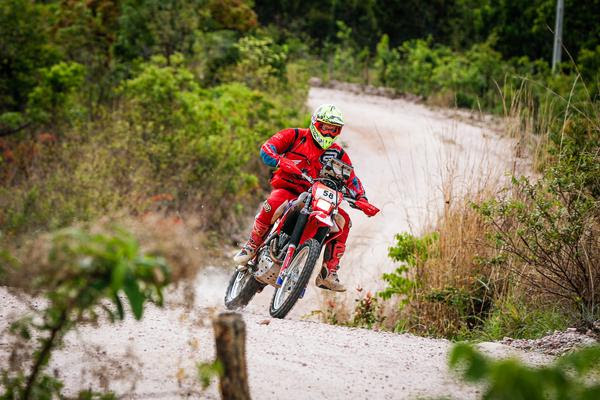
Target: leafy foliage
[(519, 28), (414, 252), (88, 274), (443, 288), (367, 312), (261, 62), (25, 48), (517, 318), (107, 105), (397, 284), (571, 376), (196, 139), (552, 226), (53, 97), (207, 371)]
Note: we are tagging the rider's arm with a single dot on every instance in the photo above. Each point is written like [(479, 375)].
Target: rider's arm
[(353, 184), (273, 149)]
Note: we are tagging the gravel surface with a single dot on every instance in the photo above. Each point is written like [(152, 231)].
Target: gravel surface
[(156, 358), (401, 150), (554, 344)]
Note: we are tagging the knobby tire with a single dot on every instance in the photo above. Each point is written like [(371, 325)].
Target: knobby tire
[(307, 269), (250, 288)]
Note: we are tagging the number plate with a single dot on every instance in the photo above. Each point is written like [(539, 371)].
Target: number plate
[(325, 193)]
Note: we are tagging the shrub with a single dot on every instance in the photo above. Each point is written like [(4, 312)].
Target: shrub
[(367, 312), (167, 136), (573, 376), (444, 287), (516, 318), (196, 139), (385, 62), (414, 252), (52, 100), (553, 228), (85, 275), (24, 39), (261, 63), (470, 79), (419, 60)]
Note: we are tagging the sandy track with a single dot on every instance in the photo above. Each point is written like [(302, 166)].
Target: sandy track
[(401, 151)]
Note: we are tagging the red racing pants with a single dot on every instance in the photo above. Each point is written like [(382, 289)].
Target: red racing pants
[(334, 249)]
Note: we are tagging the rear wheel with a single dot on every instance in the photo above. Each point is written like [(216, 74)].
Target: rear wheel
[(242, 287), (295, 279)]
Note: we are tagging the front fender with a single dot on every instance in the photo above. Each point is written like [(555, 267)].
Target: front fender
[(316, 220)]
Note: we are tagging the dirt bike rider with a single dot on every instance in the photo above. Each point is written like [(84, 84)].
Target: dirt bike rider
[(294, 150)]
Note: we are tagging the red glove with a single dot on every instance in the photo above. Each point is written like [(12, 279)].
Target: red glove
[(289, 166), (366, 207)]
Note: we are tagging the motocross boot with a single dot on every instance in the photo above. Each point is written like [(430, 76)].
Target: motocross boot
[(328, 277), (257, 236)]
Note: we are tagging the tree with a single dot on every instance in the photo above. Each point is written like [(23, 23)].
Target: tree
[(25, 49)]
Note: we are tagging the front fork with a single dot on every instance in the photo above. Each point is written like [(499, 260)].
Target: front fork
[(295, 238)]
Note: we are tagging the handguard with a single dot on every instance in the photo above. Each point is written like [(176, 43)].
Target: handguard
[(289, 166), (366, 207)]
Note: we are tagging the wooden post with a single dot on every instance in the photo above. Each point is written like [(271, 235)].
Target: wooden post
[(230, 339)]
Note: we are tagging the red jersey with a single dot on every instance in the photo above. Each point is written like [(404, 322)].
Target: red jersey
[(298, 145)]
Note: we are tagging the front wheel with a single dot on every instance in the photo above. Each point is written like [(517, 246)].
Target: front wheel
[(296, 278), (242, 287)]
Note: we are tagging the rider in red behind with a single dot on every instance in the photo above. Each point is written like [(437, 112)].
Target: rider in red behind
[(294, 150)]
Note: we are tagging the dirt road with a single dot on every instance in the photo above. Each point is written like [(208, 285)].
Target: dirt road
[(401, 151)]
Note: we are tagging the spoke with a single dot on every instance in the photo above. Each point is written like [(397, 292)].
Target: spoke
[(292, 274), (239, 283)]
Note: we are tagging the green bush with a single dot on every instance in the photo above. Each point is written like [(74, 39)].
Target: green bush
[(574, 376), (437, 293), (470, 78), (196, 139), (520, 320), (479, 78), (52, 100), (414, 252), (385, 63), (419, 61), (24, 39), (168, 136), (552, 226), (261, 62), (83, 276)]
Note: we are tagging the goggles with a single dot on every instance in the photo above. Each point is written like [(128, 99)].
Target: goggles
[(327, 129)]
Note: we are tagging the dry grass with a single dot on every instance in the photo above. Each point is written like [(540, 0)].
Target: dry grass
[(453, 283)]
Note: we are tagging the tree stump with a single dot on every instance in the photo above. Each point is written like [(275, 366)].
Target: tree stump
[(230, 339)]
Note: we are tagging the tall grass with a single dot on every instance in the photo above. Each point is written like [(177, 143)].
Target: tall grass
[(453, 287)]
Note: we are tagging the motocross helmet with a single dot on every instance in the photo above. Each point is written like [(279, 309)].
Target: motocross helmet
[(326, 124)]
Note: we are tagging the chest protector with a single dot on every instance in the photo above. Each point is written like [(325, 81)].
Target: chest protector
[(309, 157)]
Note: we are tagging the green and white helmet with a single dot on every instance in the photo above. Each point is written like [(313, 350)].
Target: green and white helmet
[(326, 125)]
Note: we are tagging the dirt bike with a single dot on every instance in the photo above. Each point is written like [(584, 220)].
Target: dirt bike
[(288, 255)]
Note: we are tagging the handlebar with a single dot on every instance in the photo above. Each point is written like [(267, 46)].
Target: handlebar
[(312, 181), (366, 207), (351, 202), (308, 178)]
